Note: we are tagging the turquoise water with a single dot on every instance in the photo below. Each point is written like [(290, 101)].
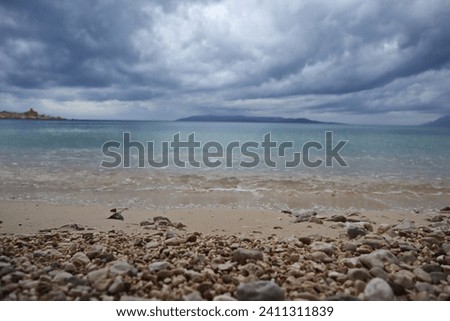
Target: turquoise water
[(373, 151), (388, 166)]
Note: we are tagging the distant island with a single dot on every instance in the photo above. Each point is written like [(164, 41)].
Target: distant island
[(440, 122), (250, 119), (30, 114)]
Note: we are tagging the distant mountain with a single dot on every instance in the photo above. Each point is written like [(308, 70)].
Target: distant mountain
[(440, 122), (250, 119)]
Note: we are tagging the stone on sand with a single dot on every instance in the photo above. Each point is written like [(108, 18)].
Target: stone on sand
[(242, 255)]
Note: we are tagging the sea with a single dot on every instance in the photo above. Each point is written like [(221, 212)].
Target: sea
[(169, 164)]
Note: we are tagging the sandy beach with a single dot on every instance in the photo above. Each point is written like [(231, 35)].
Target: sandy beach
[(71, 252), (32, 217)]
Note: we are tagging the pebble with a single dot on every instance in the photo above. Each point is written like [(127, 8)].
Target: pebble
[(354, 231), (158, 266), (424, 287), (224, 297), (352, 262), (245, 238), (320, 256), (431, 268), (304, 217), (358, 274), (436, 218), (405, 225), (120, 268), (242, 255), (174, 241), (62, 277), (316, 220), (446, 248), (437, 277), (421, 275), (147, 222), (305, 240), (95, 250), (170, 234), (378, 272), (116, 216), (117, 286), (408, 257), (378, 258), (191, 238), (338, 218), (327, 248), (359, 286), (225, 267), (5, 268), (96, 275), (378, 290), (193, 296), (102, 284), (404, 278), (349, 247), (152, 245), (193, 275), (163, 274), (374, 244), (177, 280), (342, 297), (107, 257), (80, 259), (74, 226), (383, 228), (260, 291), (307, 296), (446, 269), (69, 267), (161, 218)]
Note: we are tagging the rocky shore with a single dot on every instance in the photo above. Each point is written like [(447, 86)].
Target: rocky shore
[(368, 261)]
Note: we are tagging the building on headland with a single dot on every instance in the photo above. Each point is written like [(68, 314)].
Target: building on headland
[(31, 113)]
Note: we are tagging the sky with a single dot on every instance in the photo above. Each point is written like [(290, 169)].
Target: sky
[(363, 62)]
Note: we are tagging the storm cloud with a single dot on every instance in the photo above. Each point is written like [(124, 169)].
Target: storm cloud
[(351, 61)]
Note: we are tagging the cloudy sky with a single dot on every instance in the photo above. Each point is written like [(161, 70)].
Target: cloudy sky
[(382, 62)]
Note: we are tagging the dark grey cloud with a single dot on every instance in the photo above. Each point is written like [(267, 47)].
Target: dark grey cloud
[(65, 44), (163, 59)]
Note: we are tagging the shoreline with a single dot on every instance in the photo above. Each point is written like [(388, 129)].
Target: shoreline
[(159, 190)]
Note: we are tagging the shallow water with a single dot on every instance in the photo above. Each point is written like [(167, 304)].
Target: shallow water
[(388, 167)]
